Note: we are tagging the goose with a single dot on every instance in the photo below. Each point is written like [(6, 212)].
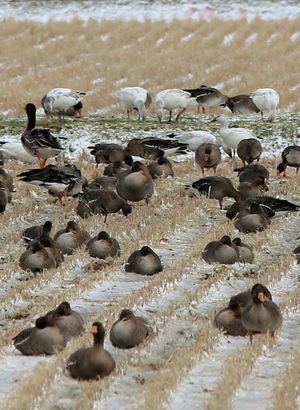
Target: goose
[(222, 251), (209, 97), (290, 157), (229, 320), (135, 98), (161, 168), (266, 100), (136, 184), (105, 182), (108, 153), (129, 330), (67, 320), (172, 99), (296, 252), (39, 142), (241, 104), (37, 258), (5, 197), (194, 138), (101, 201), (45, 338), (245, 252), (208, 156), (261, 315), (15, 150), (93, 362), (252, 219), (61, 102), (115, 169), (153, 148), (103, 246), (49, 245), (71, 238), (2, 159), (36, 231), (7, 179), (216, 187), (144, 261), (249, 150), (244, 298), (232, 136), (252, 189), (250, 173)]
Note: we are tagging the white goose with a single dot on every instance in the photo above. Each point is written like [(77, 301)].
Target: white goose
[(173, 99), (266, 100), (195, 138), (232, 136), (15, 150), (135, 98), (62, 101)]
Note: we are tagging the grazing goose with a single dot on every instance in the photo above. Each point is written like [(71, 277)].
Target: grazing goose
[(104, 182), (209, 97), (169, 147), (61, 102), (39, 142), (161, 168), (44, 338), (129, 330), (36, 258), (93, 362), (101, 201), (232, 136), (251, 189), (249, 150), (115, 169), (241, 104), (69, 322), (172, 99), (250, 173), (290, 157), (208, 156), (261, 315), (103, 246), (252, 219), (245, 252), (15, 150), (266, 100), (135, 185), (36, 231), (244, 298), (194, 138), (216, 187), (108, 153), (71, 238), (144, 261), (222, 251), (229, 320), (135, 98)]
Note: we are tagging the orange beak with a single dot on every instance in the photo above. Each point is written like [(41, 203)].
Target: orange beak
[(94, 330), (206, 157), (261, 297)]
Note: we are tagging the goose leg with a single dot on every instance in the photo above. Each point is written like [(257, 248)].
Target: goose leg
[(42, 162), (170, 116), (297, 169), (203, 109), (179, 114), (65, 200), (128, 114), (221, 202), (202, 169)]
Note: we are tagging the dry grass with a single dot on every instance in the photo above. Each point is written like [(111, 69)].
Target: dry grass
[(100, 57)]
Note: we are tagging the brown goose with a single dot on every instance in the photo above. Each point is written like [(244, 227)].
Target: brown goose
[(253, 219), (261, 315), (129, 330), (216, 187), (71, 238), (144, 261), (161, 168), (241, 104), (106, 153), (245, 252), (138, 148), (137, 184), (7, 179), (222, 251), (36, 231), (208, 156), (115, 169), (244, 298), (207, 96), (44, 338), (229, 320), (290, 157), (252, 189), (36, 258), (249, 150), (93, 362), (249, 173), (103, 246), (5, 196)]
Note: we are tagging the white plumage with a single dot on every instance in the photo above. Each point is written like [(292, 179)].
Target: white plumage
[(173, 99), (15, 150), (135, 98), (195, 138), (266, 100), (62, 101)]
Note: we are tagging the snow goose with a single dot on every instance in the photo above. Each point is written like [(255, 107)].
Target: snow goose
[(15, 150), (62, 101), (241, 104), (172, 99), (135, 98), (194, 138), (232, 136), (266, 100), (290, 157)]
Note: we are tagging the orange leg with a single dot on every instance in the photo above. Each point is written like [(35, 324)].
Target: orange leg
[(42, 162), (65, 200)]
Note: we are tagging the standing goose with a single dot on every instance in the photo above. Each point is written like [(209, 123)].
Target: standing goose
[(135, 98), (216, 187), (172, 99), (244, 298), (93, 362), (209, 97), (241, 104), (129, 330), (71, 238), (208, 156), (194, 138), (261, 315), (250, 173), (39, 142), (266, 100), (107, 153), (103, 246), (222, 251), (161, 168), (249, 150), (144, 261), (61, 102), (290, 157)]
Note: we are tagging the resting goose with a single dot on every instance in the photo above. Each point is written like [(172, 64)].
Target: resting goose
[(266, 100), (208, 156), (172, 99), (93, 362), (144, 261), (245, 252), (222, 251), (15, 150), (161, 168), (229, 320), (39, 142), (5, 197), (36, 231), (108, 153), (194, 138), (37, 258), (252, 219), (61, 102), (71, 238), (241, 104), (129, 330), (252, 189), (103, 246), (135, 98), (244, 298), (290, 157), (249, 150)]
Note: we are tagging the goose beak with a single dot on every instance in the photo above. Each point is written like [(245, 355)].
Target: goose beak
[(261, 297), (94, 330)]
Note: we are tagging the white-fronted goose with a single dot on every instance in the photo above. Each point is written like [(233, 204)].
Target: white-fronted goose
[(208, 156), (103, 246), (144, 261), (71, 238), (290, 157), (161, 168), (241, 104), (249, 150), (222, 251), (252, 219), (229, 320), (249, 173), (246, 254)]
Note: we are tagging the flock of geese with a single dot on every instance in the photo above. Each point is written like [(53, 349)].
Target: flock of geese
[(126, 181)]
